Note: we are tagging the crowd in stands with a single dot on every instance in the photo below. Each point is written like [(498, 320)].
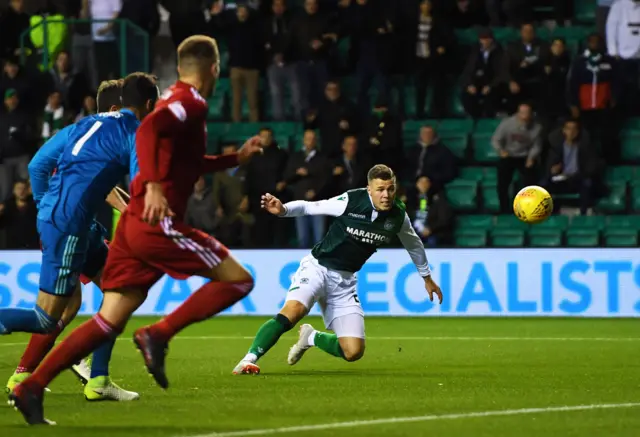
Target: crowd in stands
[(354, 83)]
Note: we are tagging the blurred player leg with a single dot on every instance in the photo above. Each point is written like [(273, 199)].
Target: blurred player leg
[(346, 342), (307, 286), (230, 282), (117, 307)]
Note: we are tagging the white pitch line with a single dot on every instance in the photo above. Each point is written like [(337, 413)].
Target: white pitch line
[(433, 417), (239, 337)]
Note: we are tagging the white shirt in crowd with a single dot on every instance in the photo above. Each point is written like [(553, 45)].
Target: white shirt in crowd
[(103, 10), (623, 29)]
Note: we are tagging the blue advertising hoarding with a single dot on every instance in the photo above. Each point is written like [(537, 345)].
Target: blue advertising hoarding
[(475, 282)]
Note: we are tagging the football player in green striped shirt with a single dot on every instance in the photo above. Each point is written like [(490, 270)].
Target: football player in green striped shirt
[(366, 219)]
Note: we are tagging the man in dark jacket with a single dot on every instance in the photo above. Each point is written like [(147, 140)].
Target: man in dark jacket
[(431, 213), (430, 158), (202, 210), (281, 70), (350, 169), (244, 38), (335, 118), (18, 219), (308, 175), (186, 18), (72, 86), (482, 79), (573, 164), (13, 21), (383, 137), (15, 78), (312, 36), (593, 90), (524, 69), (265, 174), (16, 143)]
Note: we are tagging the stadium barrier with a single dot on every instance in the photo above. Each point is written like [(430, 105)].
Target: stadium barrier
[(480, 282)]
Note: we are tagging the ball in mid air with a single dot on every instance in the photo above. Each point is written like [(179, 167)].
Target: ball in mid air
[(533, 205)]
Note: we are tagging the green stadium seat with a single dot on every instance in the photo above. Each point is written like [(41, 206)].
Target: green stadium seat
[(490, 201), (457, 145), (474, 238), (462, 195), (466, 37), (455, 103), (555, 222), (505, 35), (508, 221), (635, 198), (483, 151), (596, 222), (616, 200), (465, 222), (550, 238), (615, 237), (409, 102), (472, 173), (631, 124), (412, 127), (583, 237), (620, 174), (630, 144), (455, 126), (584, 11), (216, 104), (507, 238), (284, 128), (491, 174), (487, 125), (623, 222)]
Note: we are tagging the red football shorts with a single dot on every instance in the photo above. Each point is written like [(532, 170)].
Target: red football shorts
[(141, 254)]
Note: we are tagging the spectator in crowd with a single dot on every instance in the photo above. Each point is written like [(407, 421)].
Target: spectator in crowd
[(202, 210), (602, 12), (281, 70), (374, 31), (312, 36), (81, 41), (245, 56), (383, 135), (55, 116), (16, 143), (432, 215), (525, 62), (433, 45), (18, 219), (623, 43), (573, 164), (482, 79), (105, 45), (464, 14), (335, 118), (89, 107), (143, 14), (72, 86), (515, 12), (227, 195), (13, 22), (350, 169), (518, 142), (266, 174), (594, 88), (308, 174), (556, 80), (16, 79), (186, 18), (430, 158)]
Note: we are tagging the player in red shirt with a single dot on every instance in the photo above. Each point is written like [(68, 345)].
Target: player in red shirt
[(151, 238)]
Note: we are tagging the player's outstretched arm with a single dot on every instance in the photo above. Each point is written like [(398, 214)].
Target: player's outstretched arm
[(334, 207), (213, 163), (413, 244)]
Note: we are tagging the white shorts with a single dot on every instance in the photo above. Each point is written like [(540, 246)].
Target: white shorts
[(335, 292)]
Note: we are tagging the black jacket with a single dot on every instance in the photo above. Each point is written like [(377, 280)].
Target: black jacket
[(373, 46), (73, 88), (263, 173), (480, 72), (317, 179), (354, 175), (440, 35), (306, 28), (12, 25), (593, 84), (328, 118), (19, 225), (537, 58), (276, 35), (436, 162), (17, 137), (387, 133), (589, 163), (244, 39)]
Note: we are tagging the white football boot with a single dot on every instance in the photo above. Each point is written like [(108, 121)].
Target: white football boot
[(297, 350)]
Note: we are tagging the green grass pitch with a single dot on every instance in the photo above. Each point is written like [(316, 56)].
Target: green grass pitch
[(430, 374)]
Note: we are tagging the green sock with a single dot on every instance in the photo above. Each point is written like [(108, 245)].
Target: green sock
[(269, 334), (328, 343)]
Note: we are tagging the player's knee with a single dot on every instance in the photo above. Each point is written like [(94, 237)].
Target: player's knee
[(45, 323), (352, 350)]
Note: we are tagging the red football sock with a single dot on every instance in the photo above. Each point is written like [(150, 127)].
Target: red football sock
[(38, 348), (80, 343), (207, 301)]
